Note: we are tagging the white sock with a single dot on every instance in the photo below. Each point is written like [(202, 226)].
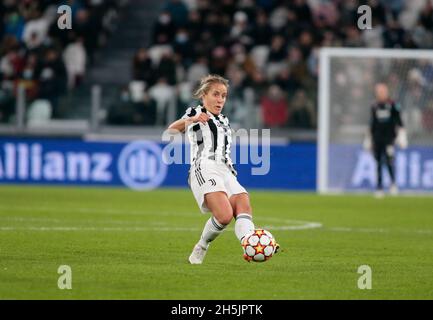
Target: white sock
[(244, 225), (211, 230)]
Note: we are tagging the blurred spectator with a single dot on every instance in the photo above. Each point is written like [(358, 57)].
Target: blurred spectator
[(87, 26), (163, 94), (28, 77), (298, 68), (163, 29), (278, 18), (142, 67), (7, 105), (261, 30), (183, 46), (348, 13), (303, 12), (325, 15), (125, 111), (35, 30), (427, 117), (373, 38), (255, 43), (11, 64), (278, 49), (286, 81), (394, 35), (194, 25), (240, 29), (276, 57), (75, 60), (379, 11), (306, 42), (421, 37), (234, 108), (167, 68), (258, 44), (35, 53), (218, 63), (258, 82), (198, 70), (217, 27), (353, 37), (274, 106), (302, 111), (178, 11), (394, 6), (52, 77), (426, 16), (14, 25), (157, 51)]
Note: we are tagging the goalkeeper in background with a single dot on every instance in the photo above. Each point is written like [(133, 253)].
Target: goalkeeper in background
[(386, 129)]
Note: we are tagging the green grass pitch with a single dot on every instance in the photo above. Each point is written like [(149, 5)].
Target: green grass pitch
[(122, 244)]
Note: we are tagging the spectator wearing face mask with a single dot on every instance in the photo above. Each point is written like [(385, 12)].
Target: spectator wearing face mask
[(183, 46), (164, 28)]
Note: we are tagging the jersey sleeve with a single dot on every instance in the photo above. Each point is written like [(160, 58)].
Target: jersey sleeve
[(372, 119), (190, 112), (397, 115)]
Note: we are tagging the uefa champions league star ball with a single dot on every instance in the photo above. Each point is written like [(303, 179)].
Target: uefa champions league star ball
[(258, 246)]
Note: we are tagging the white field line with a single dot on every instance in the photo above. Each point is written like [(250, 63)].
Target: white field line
[(282, 223), (160, 226), (89, 210), (306, 225), (119, 229), (192, 229), (379, 230)]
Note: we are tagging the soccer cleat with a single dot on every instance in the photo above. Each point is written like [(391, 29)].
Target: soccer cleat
[(379, 194), (393, 190), (277, 248), (197, 254)]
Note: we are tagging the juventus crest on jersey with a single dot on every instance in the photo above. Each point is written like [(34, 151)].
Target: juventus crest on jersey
[(211, 140)]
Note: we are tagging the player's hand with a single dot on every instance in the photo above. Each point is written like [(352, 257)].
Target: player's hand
[(366, 144), (402, 138), (202, 118)]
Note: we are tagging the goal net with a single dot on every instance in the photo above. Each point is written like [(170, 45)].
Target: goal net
[(346, 92)]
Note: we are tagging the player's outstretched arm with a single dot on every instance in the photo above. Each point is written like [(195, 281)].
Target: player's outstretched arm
[(401, 139), (181, 124)]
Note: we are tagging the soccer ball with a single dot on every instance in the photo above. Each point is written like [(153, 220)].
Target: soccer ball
[(258, 246)]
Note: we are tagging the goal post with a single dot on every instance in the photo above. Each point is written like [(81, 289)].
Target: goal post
[(346, 91)]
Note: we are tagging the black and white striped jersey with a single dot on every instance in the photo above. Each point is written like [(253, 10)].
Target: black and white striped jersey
[(211, 140)]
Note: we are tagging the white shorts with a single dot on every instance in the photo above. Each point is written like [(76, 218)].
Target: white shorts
[(211, 176)]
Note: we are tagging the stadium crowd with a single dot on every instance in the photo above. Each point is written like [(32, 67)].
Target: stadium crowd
[(269, 46), (46, 59), (268, 49)]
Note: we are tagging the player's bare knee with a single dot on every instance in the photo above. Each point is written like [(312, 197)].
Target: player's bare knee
[(225, 219)]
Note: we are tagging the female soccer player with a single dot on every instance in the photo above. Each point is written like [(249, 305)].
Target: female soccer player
[(212, 177)]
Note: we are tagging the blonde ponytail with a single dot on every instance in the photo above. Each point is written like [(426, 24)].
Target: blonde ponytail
[(207, 82)]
